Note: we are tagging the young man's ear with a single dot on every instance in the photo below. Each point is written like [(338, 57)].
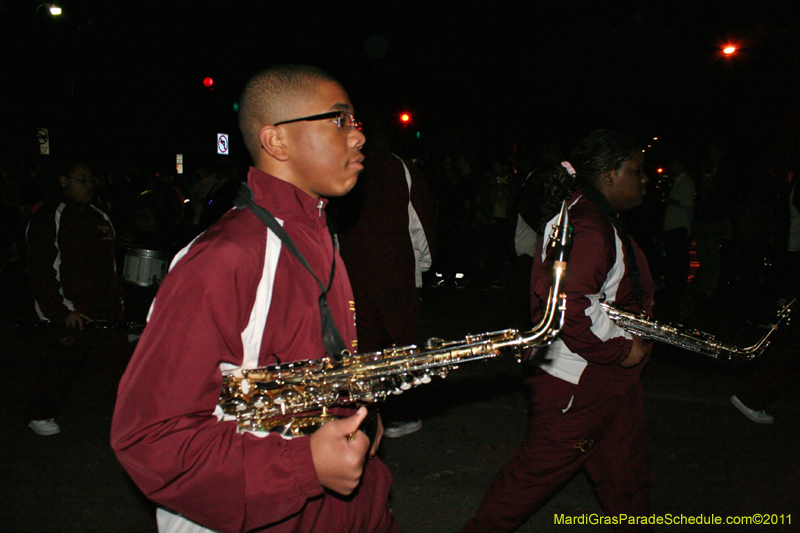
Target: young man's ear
[(272, 143), (608, 177)]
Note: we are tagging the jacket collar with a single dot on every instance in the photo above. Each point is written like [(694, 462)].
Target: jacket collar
[(283, 199)]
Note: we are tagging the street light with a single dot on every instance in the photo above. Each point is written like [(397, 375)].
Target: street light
[(54, 9), (731, 47)]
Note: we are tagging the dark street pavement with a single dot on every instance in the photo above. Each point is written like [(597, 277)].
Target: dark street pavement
[(706, 457)]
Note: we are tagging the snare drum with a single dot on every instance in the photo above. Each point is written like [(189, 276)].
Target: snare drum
[(145, 268)]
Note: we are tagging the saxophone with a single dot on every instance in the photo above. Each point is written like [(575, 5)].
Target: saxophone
[(692, 339), (296, 398)]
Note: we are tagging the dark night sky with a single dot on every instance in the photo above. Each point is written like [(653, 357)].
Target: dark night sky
[(131, 72)]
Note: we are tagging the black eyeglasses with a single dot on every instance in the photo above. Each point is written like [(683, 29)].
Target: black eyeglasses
[(84, 179), (344, 121)]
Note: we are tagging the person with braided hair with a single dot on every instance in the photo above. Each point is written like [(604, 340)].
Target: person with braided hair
[(585, 392)]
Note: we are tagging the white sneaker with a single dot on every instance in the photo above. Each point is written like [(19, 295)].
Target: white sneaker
[(400, 429), (45, 427), (759, 417)]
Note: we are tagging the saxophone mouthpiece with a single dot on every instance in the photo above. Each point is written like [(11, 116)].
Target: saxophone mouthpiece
[(562, 237)]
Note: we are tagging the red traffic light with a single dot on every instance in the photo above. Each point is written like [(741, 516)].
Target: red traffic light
[(208, 82), (405, 118)]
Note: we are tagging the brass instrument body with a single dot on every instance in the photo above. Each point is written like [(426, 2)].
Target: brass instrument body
[(692, 339), (273, 398), (295, 398)]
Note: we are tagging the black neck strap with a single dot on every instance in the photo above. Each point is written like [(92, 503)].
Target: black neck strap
[(617, 221), (331, 338)]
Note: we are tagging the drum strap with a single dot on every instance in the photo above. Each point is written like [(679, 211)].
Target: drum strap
[(331, 338)]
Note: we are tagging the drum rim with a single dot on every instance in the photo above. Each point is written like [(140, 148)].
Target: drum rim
[(146, 252)]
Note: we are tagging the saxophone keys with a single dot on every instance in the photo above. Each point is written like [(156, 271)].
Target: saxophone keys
[(261, 401), (235, 405)]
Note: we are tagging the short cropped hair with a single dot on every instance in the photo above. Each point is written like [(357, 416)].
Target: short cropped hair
[(68, 167), (268, 96)]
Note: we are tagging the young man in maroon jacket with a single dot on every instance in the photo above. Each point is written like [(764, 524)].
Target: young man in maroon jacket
[(75, 282), (236, 298)]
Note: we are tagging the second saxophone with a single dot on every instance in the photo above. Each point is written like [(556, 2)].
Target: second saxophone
[(692, 339)]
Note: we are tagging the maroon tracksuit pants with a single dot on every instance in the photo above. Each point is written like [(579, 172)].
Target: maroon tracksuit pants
[(571, 427), (63, 352)]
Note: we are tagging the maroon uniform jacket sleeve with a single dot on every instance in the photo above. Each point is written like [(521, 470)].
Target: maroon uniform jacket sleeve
[(164, 431), (42, 255)]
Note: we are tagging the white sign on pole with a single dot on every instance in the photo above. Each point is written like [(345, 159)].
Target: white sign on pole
[(223, 147), (44, 141), (179, 163)]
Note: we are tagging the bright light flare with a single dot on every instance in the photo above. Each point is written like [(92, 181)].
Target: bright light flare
[(729, 50), (405, 117)]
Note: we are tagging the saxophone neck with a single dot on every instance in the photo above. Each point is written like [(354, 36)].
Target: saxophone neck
[(561, 240), (552, 321)]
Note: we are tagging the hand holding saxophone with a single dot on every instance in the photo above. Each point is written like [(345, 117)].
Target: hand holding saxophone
[(638, 352), (339, 450)]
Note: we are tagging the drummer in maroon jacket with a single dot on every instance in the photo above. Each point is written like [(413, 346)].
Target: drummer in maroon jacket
[(75, 283)]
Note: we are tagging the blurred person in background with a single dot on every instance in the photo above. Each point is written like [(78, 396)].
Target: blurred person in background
[(71, 261), (677, 225), (386, 233)]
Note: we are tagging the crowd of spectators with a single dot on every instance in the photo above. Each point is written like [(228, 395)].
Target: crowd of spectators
[(152, 208), (477, 198)]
